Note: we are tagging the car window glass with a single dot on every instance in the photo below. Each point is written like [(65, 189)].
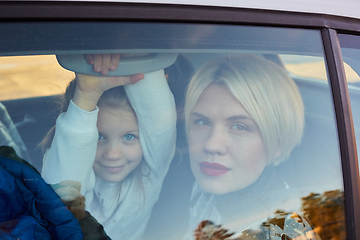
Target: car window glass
[(32, 76), (231, 133), (315, 67)]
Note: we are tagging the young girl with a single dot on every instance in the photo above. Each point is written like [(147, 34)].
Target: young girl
[(118, 146)]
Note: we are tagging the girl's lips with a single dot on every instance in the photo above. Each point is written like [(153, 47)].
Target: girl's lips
[(113, 170), (213, 169)]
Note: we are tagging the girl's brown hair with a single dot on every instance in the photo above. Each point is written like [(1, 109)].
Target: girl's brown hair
[(114, 98)]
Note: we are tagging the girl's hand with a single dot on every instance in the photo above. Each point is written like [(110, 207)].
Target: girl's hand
[(89, 88), (98, 84), (103, 62)]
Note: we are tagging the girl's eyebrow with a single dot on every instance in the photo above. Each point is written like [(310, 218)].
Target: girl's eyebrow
[(132, 132)]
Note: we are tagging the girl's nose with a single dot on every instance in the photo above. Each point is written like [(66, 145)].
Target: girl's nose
[(216, 142), (113, 152)]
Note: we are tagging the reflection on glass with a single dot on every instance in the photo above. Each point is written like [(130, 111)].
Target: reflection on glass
[(252, 162), (325, 213)]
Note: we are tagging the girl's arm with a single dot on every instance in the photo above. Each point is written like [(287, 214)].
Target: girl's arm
[(74, 145), (90, 88), (154, 106), (73, 148)]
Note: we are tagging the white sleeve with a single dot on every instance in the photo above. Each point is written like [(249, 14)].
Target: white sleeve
[(155, 110), (73, 149)]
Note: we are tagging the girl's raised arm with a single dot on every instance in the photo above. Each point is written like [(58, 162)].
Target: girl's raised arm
[(154, 106), (73, 149), (89, 88)]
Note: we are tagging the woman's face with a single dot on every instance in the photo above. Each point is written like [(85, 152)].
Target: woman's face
[(227, 152), (118, 151)]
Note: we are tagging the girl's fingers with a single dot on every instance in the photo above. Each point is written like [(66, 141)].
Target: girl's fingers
[(103, 62), (89, 58), (120, 81), (98, 62), (90, 83), (136, 77), (106, 60), (114, 62)]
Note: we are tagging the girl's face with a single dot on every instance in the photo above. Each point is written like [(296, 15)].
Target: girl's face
[(118, 151), (227, 152)]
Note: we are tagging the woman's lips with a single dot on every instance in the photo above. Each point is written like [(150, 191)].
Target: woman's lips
[(213, 169)]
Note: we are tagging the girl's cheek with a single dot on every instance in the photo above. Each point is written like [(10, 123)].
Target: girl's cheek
[(134, 151), (99, 152), (139, 152)]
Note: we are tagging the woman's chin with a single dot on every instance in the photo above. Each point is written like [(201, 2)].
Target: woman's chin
[(214, 188), (219, 186)]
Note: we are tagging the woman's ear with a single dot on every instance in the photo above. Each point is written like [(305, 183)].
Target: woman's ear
[(275, 161), (278, 153)]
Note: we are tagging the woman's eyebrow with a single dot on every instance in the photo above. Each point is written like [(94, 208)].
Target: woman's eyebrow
[(231, 118), (239, 117), (196, 114)]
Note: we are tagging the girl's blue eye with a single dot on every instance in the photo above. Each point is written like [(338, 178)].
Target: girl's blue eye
[(129, 137), (101, 137), (239, 127)]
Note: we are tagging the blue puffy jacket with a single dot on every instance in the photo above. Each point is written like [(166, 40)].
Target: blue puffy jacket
[(29, 208)]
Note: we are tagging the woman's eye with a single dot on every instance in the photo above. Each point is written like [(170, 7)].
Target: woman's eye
[(129, 137), (240, 127), (202, 122)]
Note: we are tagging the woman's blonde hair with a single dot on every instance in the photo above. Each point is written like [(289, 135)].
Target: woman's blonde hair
[(267, 93)]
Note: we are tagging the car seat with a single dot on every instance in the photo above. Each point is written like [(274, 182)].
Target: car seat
[(9, 135)]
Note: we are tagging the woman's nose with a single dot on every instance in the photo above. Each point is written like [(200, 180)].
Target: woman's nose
[(216, 142), (113, 152)]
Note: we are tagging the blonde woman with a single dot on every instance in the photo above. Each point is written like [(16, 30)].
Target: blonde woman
[(243, 115)]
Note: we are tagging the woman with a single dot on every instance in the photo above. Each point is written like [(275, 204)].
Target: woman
[(243, 115)]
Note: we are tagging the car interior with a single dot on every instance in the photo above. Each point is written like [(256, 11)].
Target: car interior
[(34, 117), (312, 165)]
